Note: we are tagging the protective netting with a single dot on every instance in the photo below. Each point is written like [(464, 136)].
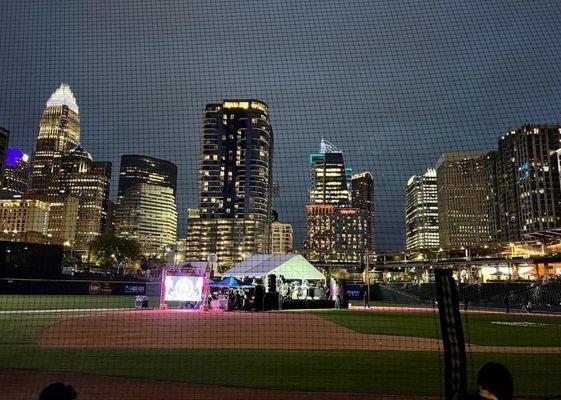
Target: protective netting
[(251, 200)]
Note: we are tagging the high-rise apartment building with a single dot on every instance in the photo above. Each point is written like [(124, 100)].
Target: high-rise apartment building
[(147, 213), (235, 183), (362, 197), (16, 174), (463, 217), (231, 239), (281, 238), (421, 212), (59, 132), (537, 177)]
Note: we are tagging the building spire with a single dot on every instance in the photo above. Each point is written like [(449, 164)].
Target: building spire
[(63, 96), (327, 147)]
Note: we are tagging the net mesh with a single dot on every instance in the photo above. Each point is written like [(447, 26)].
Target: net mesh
[(204, 200)]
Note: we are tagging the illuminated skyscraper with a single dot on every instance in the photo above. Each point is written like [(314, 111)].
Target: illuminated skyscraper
[(421, 212), (330, 179), (335, 231), (81, 177), (235, 183), (147, 214), (16, 174), (508, 229), (537, 177), (362, 197), (236, 161), (137, 168), (463, 217), (146, 208), (336, 234), (59, 132)]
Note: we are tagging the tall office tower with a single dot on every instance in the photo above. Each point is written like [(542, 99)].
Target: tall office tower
[(147, 214), (362, 197), (463, 217), (59, 132), (335, 232), (4, 141), (508, 229), (281, 238), (330, 178), (81, 177), (146, 208), (421, 212), (537, 177), (16, 174), (137, 168), (235, 182)]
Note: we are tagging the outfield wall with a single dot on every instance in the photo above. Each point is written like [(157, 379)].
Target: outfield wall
[(78, 287)]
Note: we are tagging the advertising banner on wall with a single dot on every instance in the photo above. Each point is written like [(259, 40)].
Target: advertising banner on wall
[(355, 292)]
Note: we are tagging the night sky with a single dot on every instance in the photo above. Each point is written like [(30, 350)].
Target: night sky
[(392, 83)]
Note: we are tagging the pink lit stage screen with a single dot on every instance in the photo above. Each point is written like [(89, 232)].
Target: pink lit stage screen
[(184, 288)]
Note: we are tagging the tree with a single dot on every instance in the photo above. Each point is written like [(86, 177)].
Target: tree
[(109, 250), (152, 263), (69, 260)]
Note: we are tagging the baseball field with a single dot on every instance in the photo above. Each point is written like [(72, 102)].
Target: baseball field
[(101, 345)]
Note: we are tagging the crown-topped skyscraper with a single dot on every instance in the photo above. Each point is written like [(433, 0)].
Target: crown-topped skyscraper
[(64, 175), (59, 131)]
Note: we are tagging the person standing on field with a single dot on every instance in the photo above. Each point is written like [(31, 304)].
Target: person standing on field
[(366, 299)]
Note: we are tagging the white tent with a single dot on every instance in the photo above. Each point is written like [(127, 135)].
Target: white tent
[(290, 266)]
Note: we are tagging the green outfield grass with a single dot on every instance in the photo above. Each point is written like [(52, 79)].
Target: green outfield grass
[(43, 302), (350, 371), (480, 328)]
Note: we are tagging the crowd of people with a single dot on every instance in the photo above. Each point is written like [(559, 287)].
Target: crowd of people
[(237, 299)]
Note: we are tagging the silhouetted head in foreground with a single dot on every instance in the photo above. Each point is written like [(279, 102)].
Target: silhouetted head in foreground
[(58, 391), (495, 382)]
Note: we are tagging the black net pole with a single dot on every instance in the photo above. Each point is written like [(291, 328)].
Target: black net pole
[(455, 368)]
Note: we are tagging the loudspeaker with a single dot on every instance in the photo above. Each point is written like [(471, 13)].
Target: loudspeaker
[(259, 297), (272, 283), (271, 301)]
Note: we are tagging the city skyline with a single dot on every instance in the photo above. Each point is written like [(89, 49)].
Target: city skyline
[(394, 111)]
